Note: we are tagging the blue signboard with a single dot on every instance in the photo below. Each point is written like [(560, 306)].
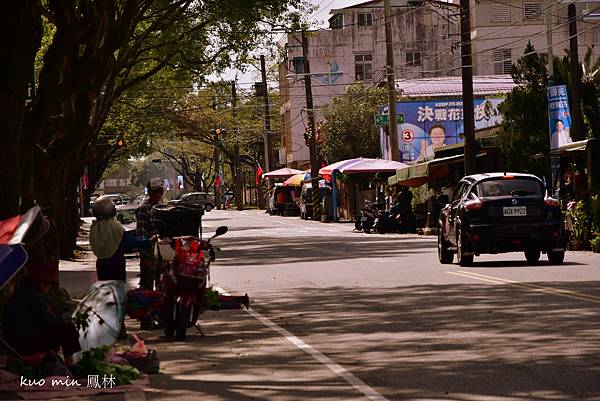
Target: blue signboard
[(559, 117), (432, 124)]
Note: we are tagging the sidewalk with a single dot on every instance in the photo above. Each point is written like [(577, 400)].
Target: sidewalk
[(237, 358)]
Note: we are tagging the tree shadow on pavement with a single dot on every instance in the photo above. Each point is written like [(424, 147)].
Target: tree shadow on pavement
[(253, 251), (450, 342)]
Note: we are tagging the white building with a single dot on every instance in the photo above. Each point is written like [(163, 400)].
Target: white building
[(353, 50), (426, 44)]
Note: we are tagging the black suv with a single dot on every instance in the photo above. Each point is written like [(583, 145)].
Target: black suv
[(195, 199), (500, 212)]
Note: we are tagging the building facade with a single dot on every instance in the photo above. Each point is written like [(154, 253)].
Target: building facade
[(426, 38), (353, 50), (501, 30)]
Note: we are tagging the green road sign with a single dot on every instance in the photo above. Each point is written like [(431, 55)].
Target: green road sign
[(384, 119)]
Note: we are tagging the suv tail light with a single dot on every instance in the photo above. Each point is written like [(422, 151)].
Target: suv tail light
[(474, 203), (551, 202)]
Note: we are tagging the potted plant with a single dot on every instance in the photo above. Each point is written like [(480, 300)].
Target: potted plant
[(595, 243), (579, 223)]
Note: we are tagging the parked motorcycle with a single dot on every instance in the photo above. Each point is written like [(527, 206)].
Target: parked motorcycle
[(385, 222), (368, 214), (184, 280)]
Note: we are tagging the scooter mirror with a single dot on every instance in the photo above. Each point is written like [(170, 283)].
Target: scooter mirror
[(220, 231)]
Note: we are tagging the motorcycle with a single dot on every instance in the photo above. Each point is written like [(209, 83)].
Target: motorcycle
[(368, 215), (184, 281), (386, 222)]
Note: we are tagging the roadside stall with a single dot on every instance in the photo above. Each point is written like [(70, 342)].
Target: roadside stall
[(273, 177), (294, 185), (355, 181), (578, 175)]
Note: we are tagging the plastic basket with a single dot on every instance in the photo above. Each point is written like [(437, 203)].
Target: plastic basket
[(176, 221)]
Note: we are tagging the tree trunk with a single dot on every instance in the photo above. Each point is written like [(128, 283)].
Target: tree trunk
[(21, 29)]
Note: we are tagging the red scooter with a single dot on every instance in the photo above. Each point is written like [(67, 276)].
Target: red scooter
[(184, 282)]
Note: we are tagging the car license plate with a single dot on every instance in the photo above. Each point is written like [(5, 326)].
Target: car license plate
[(514, 211)]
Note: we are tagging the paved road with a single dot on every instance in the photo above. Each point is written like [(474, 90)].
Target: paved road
[(339, 315)]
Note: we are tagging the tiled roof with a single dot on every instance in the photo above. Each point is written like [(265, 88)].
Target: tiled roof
[(452, 86)]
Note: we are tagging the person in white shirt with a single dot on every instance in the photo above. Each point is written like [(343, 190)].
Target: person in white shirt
[(437, 134), (560, 136)]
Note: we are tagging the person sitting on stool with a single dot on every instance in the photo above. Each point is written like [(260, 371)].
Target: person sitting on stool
[(31, 325)]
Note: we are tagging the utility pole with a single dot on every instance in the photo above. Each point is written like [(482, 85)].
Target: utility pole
[(554, 161), (391, 81), (577, 133), (268, 145), (549, 39), (314, 162), (467, 87), (217, 184), (237, 187)]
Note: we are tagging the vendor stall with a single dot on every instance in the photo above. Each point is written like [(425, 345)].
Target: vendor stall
[(361, 180)]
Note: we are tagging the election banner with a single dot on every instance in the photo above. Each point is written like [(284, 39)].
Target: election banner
[(559, 117), (432, 124)]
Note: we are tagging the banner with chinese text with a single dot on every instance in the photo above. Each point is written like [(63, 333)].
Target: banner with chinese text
[(429, 125), (559, 117)]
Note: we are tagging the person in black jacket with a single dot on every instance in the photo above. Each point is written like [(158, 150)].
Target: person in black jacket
[(31, 325)]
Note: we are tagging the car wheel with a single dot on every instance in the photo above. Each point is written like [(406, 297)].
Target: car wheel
[(463, 260), (445, 256), (532, 256), (208, 207), (556, 257)]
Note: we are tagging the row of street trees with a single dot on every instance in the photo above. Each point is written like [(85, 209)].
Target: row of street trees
[(94, 55)]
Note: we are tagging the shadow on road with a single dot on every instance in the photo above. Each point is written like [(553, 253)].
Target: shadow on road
[(251, 251), (455, 342)]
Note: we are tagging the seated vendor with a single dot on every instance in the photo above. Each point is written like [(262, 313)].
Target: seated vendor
[(31, 325)]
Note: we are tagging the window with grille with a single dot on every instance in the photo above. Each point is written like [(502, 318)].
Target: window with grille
[(365, 19), (363, 67), (413, 58), (532, 10), (499, 13), (298, 65), (502, 61), (337, 21)]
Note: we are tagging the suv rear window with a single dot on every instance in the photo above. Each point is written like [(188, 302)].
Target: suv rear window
[(509, 187)]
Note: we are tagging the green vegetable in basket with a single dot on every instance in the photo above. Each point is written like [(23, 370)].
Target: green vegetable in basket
[(211, 299), (94, 362)]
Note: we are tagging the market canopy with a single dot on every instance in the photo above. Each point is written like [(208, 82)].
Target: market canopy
[(296, 179), (282, 173), (363, 165)]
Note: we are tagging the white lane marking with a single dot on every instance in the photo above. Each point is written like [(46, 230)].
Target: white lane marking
[(354, 381)]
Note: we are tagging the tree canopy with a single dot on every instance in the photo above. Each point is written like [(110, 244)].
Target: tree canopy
[(349, 128), (91, 55)]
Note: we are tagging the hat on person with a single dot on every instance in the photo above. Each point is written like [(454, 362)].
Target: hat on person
[(44, 272), (155, 184), (104, 208)]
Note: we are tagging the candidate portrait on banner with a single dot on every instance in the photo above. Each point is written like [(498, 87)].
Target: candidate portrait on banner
[(559, 116), (560, 136)]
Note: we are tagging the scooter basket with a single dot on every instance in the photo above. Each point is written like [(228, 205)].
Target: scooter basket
[(176, 221)]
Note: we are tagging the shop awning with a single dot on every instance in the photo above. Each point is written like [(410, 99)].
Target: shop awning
[(363, 165), (282, 173), (571, 147), (421, 173)]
